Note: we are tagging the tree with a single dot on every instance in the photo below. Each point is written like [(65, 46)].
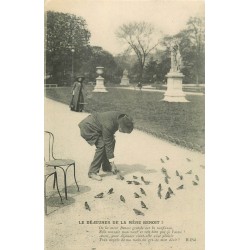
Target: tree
[(192, 49), (196, 30), (67, 43), (100, 57), (141, 38)]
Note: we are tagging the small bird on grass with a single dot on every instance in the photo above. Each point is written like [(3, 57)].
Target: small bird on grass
[(137, 195), (188, 159), (99, 195), (189, 172), (122, 199), (170, 191), (167, 195), (145, 182), (143, 205), (111, 191), (138, 212), (135, 177), (195, 183), (143, 191), (180, 187), (177, 173), (87, 207), (196, 177), (167, 157), (162, 161), (129, 182), (136, 182)]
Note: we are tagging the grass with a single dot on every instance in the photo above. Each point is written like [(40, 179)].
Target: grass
[(182, 123)]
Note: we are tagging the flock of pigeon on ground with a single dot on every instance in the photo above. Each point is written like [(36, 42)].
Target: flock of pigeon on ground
[(159, 192)]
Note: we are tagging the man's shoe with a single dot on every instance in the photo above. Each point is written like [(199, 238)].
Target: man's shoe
[(95, 177)]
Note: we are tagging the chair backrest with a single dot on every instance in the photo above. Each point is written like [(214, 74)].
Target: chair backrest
[(48, 146)]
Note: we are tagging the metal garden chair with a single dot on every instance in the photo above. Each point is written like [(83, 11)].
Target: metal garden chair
[(47, 173), (63, 164)]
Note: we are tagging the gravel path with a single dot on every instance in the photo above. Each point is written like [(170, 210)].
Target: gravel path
[(137, 154)]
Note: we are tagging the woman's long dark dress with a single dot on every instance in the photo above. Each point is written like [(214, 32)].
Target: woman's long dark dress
[(77, 101)]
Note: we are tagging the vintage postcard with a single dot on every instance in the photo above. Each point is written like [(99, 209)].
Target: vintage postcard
[(124, 91)]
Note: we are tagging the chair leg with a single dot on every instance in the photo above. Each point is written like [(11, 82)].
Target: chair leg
[(45, 201), (65, 184), (75, 176), (55, 178), (54, 181)]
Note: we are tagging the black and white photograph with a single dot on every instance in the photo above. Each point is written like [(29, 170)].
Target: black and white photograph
[(124, 125)]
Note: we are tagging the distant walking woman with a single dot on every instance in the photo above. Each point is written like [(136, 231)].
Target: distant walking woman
[(77, 101)]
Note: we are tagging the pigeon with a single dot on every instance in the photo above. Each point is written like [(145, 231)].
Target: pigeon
[(138, 212), (167, 175), (87, 206), (177, 173), (159, 187), (166, 179), (195, 183), (99, 195), (170, 191), (135, 177), (164, 170), (180, 187), (189, 172), (122, 198), (162, 161), (167, 195), (159, 193), (145, 182), (143, 205), (111, 191), (119, 176), (167, 157), (196, 177), (181, 177), (136, 182), (129, 182), (188, 159), (137, 195), (142, 191)]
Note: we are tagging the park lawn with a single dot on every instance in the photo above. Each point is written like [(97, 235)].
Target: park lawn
[(181, 123)]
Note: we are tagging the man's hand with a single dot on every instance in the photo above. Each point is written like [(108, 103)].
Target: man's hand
[(114, 169)]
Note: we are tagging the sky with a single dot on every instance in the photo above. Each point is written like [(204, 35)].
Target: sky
[(103, 17)]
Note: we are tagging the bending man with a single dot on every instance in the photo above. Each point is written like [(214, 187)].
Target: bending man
[(98, 129)]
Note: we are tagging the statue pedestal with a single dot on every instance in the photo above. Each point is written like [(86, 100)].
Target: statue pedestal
[(174, 91), (124, 81), (99, 87)]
